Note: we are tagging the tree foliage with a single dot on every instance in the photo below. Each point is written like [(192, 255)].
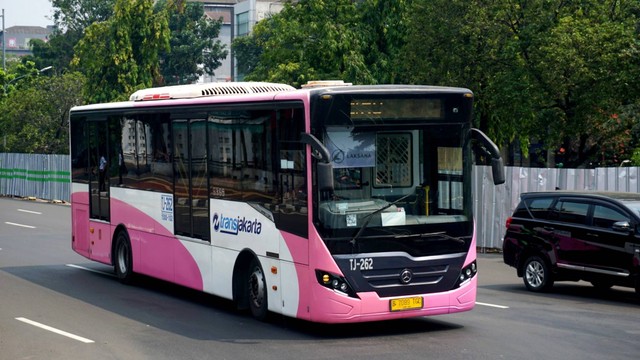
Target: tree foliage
[(556, 71), (247, 53), (42, 106), (17, 75), (121, 55), (384, 27), (71, 18), (193, 42), (77, 15), (310, 40)]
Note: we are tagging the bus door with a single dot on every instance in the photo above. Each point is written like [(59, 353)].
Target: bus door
[(191, 196), (99, 192), (292, 214), (99, 162)]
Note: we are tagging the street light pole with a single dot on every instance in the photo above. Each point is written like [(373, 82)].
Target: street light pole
[(4, 56)]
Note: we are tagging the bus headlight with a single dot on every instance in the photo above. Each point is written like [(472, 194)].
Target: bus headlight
[(466, 274), (335, 282)]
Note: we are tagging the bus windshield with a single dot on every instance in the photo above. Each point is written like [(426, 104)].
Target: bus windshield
[(405, 176)]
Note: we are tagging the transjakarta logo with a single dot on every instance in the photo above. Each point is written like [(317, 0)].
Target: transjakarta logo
[(234, 225)]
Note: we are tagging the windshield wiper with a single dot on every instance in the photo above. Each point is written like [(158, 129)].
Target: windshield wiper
[(370, 216), (441, 234)]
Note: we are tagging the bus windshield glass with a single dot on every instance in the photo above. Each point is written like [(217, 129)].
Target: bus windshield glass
[(397, 173)]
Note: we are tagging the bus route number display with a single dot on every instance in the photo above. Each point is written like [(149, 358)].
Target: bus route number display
[(396, 109)]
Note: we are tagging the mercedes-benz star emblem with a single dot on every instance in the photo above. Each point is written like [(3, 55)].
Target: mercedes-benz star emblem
[(405, 276)]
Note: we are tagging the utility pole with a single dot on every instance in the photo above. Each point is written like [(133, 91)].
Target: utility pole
[(4, 36)]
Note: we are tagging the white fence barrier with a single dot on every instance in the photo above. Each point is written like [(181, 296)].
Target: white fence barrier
[(41, 176), (48, 177)]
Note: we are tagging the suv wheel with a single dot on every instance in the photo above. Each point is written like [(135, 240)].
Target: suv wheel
[(536, 275)]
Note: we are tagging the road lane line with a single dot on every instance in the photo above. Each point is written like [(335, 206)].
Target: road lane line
[(88, 269), (492, 305), (20, 225), (30, 212), (54, 330)]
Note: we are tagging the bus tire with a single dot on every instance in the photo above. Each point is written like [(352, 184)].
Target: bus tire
[(123, 260), (257, 290)]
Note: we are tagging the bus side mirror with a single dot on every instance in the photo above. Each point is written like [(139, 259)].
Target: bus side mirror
[(497, 170), (325, 176), (490, 148), (324, 165)]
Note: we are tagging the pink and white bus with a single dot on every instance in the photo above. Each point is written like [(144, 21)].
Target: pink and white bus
[(332, 203)]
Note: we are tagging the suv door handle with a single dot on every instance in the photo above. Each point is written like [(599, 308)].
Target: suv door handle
[(549, 228), (592, 234)]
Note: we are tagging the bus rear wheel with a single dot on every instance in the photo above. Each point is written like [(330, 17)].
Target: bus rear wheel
[(257, 290), (123, 261)]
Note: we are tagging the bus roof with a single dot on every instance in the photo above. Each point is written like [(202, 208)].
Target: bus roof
[(236, 89), (209, 89)]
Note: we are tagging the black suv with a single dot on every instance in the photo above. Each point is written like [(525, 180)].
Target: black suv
[(562, 235)]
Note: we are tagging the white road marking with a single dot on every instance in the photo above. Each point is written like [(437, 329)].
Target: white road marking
[(24, 226), (30, 212), (92, 270), (54, 330), (492, 305)]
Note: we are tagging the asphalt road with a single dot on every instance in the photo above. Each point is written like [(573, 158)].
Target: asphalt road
[(55, 304)]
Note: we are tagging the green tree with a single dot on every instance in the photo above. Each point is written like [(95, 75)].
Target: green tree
[(17, 75), (311, 40), (57, 52), (384, 24), (42, 106), (193, 42), (77, 15), (356, 41), (247, 53), (557, 71), (121, 55), (71, 18)]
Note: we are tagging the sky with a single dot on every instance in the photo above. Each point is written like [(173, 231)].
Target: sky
[(26, 13)]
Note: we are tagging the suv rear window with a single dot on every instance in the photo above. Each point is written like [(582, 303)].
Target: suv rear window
[(537, 207)]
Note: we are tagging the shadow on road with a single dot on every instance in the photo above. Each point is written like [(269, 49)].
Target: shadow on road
[(197, 315), (575, 291)]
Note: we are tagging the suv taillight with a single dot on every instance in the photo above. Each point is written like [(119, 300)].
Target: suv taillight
[(508, 222)]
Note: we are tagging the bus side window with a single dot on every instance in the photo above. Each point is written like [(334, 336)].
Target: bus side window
[(240, 164), (142, 153)]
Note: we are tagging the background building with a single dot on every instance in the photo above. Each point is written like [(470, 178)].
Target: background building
[(215, 10), (238, 19), (247, 13), (17, 38)]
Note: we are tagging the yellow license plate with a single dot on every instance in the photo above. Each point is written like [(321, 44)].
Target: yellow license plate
[(410, 303)]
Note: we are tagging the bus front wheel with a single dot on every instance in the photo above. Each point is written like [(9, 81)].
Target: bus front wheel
[(257, 290), (123, 262)]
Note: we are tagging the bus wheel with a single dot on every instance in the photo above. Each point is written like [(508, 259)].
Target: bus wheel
[(257, 290), (123, 262)]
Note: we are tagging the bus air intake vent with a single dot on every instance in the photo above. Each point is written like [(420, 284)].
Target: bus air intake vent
[(204, 90)]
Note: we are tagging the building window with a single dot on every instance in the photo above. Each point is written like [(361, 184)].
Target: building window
[(242, 21)]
